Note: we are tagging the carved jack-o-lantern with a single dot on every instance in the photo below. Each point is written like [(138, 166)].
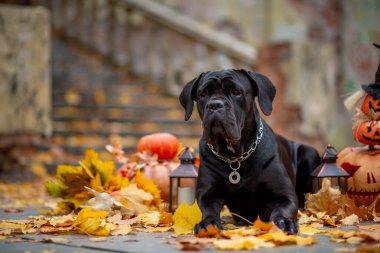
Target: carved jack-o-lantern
[(371, 107), (363, 165), (367, 119), (367, 132)]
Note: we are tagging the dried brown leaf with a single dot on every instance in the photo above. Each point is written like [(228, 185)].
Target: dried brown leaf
[(123, 229), (350, 220), (326, 200), (369, 235), (210, 231)]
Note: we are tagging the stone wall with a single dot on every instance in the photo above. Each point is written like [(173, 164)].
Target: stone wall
[(24, 70)]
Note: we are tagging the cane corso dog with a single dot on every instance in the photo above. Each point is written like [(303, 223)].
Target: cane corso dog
[(243, 163)]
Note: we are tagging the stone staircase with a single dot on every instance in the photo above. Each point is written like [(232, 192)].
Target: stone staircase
[(95, 102)]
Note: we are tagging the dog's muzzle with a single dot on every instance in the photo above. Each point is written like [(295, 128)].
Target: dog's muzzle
[(215, 105)]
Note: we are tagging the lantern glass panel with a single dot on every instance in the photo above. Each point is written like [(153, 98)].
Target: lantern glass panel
[(183, 180)]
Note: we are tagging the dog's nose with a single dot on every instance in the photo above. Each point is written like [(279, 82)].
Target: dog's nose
[(215, 105)]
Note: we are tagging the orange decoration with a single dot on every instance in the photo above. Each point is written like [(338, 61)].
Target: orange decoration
[(371, 107), (367, 132), (363, 166), (165, 145)]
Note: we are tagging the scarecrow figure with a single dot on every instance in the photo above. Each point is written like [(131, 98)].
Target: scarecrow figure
[(362, 163)]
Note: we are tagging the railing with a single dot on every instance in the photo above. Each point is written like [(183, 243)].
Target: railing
[(151, 40)]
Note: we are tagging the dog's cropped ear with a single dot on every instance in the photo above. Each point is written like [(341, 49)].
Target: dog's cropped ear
[(188, 96), (265, 88)]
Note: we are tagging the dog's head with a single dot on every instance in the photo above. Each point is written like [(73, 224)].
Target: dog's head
[(226, 105)]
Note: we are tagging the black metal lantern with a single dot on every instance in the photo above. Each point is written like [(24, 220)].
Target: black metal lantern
[(186, 169), (330, 169)]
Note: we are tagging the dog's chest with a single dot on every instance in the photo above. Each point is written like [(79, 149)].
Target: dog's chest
[(248, 180)]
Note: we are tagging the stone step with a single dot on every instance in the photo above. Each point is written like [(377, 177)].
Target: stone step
[(117, 125), (94, 103), (115, 95), (128, 141), (157, 119), (119, 112)]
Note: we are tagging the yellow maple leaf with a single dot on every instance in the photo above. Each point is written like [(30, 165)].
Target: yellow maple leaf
[(92, 165), (245, 243), (236, 244), (310, 230), (116, 183), (244, 231), (94, 226), (149, 186), (304, 241), (186, 217), (92, 222), (67, 169), (96, 183), (277, 237), (87, 213)]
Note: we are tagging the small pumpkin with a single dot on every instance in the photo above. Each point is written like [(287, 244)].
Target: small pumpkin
[(164, 145), (367, 132), (371, 107), (159, 172), (363, 166)]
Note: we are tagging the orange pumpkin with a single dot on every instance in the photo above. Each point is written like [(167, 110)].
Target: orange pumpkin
[(367, 132), (371, 107), (165, 145), (363, 166)]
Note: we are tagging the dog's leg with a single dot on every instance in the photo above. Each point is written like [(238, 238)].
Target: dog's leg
[(210, 208), (280, 196), (210, 198), (284, 215)]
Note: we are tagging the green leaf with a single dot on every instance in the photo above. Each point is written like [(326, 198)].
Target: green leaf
[(55, 189)]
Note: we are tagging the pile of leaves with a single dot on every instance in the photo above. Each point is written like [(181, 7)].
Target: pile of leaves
[(330, 207), (265, 234), (89, 222), (139, 195)]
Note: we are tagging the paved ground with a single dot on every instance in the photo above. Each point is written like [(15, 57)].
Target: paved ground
[(136, 242)]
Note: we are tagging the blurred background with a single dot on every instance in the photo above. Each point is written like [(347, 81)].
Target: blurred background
[(80, 73)]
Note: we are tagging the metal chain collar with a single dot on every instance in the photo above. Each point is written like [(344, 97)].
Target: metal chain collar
[(245, 155)]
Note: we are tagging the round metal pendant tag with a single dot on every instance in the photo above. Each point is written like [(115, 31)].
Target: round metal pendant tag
[(234, 177)]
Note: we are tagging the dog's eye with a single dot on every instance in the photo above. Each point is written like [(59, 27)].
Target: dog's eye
[(235, 91), (203, 94)]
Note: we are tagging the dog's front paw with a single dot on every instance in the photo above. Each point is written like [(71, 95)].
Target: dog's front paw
[(287, 225), (209, 223)]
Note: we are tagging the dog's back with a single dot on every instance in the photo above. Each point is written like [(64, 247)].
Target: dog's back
[(304, 160)]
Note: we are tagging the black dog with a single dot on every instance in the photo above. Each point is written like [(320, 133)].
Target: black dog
[(243, 164)]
